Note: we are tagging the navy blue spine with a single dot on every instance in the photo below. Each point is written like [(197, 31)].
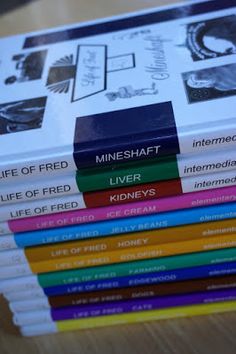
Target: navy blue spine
[(126, 130)]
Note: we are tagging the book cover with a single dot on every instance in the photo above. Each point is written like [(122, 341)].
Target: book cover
[(101, 92)]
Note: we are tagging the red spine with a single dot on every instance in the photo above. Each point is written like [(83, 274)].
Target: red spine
[(140, 192)]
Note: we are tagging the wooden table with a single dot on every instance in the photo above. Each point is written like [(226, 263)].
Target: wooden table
[(215, 334)]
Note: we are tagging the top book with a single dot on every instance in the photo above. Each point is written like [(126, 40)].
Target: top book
[(143, 85)]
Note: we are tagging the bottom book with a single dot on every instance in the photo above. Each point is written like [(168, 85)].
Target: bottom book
[(135, 317), (119, 307)]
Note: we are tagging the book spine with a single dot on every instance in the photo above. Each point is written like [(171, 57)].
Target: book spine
[(29, 305), (5, 228), (41, 189), (42, 167), (139, 292), (135, 317), (123, 255), (133, 193), (206, 182), (27, 283), (209, 139), (138, 305), (107, 244), (7, 243), (89, 215), (131, 174), (189, 184), (127, 225), (201, 164), (33, 283), (12, 271), (41, 207), (25, 295), (13, 257), (113, 152)]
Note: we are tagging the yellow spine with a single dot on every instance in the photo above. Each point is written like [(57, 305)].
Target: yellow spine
[(183, 311)]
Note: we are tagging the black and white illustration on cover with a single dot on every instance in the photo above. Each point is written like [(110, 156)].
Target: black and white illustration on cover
[(211, 38), (27, 67), (211, 83), (22, 115), (129, 92), (87, 73)]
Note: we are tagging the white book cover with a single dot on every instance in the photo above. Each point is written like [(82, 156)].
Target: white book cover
[(107, 92)]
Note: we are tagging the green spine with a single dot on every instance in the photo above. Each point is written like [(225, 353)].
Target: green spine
[(139, 172), (138, 267)]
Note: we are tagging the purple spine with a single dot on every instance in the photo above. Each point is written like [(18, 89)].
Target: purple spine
[(76, 312)]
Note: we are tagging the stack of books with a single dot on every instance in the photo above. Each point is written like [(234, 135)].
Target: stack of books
[(118, 169)]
